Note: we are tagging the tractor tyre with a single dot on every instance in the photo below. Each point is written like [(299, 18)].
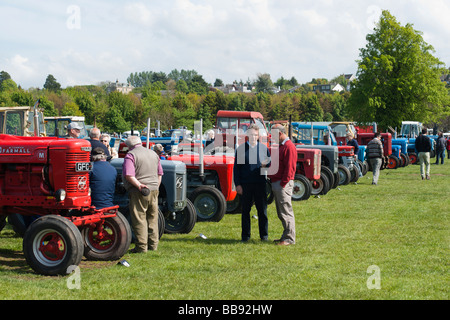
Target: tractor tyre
[(107, 241), (182, 221), (234, 206), (361, 167), (302, 188), (336, 180), (344, 175), (327, 171), (320, 186), (161, 224), (366, 167), (354, 173), (405, 159), (393, 162), (209, 203), (413, 158), (52, 244)]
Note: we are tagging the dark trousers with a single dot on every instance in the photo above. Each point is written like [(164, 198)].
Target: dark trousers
[(254, 193), (440, 155)]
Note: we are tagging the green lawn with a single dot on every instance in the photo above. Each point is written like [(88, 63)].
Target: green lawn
[(400, 226)]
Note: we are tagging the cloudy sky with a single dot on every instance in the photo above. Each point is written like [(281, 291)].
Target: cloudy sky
[(88, 41)]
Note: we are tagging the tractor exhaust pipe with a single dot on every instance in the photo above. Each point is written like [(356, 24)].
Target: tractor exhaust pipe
[(36, 118)]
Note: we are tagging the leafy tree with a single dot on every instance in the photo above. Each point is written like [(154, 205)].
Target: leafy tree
[(218, 83), (8, 85), (182, 86), (313, 110), (4, 76), (397, 77), (51, 84), (263, 83), (71, 109)]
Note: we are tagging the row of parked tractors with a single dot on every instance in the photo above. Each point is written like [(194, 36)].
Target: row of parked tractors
[(45, 194)]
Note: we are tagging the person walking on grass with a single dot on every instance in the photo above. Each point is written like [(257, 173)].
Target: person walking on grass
[(375, 154), (423, 147)]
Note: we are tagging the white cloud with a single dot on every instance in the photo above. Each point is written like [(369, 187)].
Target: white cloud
[(220, 39)]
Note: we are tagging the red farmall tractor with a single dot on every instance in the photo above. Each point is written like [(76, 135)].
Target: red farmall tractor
[(48, 178)]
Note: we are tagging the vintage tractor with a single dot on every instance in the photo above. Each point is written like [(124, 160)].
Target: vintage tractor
[(349, 169), (390, 161), (176, 212), (49, 178), (57, 126), (308, 177), (21, 121), (209, 183)]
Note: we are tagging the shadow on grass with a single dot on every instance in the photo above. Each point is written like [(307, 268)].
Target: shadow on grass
[(12, 260)]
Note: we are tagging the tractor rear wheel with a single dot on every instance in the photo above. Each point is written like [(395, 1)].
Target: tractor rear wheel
[(302, 188), (182, 221), (344, 175), (209, 203), (109, 240), (52, 244)]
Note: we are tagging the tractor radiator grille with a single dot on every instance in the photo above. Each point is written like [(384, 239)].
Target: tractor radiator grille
[(76, 181)]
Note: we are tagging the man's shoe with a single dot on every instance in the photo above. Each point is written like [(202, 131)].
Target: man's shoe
[(284, 243), (428, 177)]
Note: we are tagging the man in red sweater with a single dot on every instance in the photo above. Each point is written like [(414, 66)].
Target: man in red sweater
[(283, 182)]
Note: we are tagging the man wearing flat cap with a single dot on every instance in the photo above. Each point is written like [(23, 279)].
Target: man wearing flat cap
[(74, 130), (102, 180)]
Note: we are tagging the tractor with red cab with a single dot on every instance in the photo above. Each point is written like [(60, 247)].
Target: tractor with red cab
[(48, 178)]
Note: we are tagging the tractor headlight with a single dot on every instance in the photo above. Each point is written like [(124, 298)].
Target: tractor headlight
[(60, 194)]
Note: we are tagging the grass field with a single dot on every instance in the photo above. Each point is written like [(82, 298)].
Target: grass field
[(400, 228)]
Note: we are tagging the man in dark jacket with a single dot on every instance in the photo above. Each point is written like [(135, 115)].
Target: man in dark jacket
[(440, 148), (250, 182), (94, 134), (375, 154), (102, 180), (423, 147)]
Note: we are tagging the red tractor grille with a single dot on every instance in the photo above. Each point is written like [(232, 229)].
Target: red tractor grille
[(77, 182)]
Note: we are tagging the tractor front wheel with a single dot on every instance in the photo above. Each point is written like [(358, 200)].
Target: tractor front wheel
[(52, 244), (182, 221), (109, 240), (302, 188), (393, 162), (344, 175), (413, 159), (209, 203), (320, 186)]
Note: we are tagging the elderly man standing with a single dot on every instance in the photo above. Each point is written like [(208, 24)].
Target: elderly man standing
[(283, 183), (142, 173), (94, 134)]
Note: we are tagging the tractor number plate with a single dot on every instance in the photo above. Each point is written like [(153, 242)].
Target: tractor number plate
[(83, 166)]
